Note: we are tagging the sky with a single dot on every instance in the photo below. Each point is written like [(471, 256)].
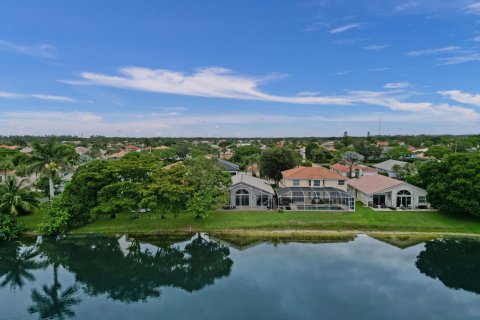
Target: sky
[(239, 68)]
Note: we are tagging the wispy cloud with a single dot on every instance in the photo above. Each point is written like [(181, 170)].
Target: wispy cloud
[(316, 26), (46, 97), (40, 50), (474, 8), (397, 85), (376, 46), (346, 28), (468, 57), (462, 97), (419, 53), (223, 83)]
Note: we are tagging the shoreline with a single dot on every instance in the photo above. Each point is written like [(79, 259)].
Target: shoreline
[(259, 233)]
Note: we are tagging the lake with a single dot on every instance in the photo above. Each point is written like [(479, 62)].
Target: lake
[(201, 277)]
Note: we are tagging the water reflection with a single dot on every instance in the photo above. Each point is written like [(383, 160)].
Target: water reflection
[(17, 264), (292, 278), (455, 262)]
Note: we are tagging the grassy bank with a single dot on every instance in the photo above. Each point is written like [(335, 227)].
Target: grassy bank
[(364, 219)]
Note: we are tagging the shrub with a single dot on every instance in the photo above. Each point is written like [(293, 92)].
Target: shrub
[(10, 228)]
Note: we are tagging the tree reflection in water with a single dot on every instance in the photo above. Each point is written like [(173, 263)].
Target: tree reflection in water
[(101, 265), (455, 262), (17, 263)]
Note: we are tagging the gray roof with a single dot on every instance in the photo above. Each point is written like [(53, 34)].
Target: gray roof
[(387, 165), (254, 182), (229, 166)]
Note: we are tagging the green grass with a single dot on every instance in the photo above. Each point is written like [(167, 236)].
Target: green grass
[(364, 219)]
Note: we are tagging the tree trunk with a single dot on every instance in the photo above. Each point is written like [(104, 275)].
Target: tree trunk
[(51, 186)]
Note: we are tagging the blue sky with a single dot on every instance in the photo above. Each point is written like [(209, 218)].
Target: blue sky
[(239, 68)]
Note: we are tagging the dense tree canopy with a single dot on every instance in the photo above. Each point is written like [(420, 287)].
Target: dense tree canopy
[(275, 160), (453, 184)]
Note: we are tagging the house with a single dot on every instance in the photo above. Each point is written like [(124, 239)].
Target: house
[(131, 147), (231, 167), (227, 155), (250, 193), (387, 167), (314, 188), (81, 150), (357, 170), (384, 192), (303, 153), (253, 170), (312, 177)]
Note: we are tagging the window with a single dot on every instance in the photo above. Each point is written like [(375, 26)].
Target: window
[(422, 199), (296, 183), (242, 198), (341, 182), (317, 183)]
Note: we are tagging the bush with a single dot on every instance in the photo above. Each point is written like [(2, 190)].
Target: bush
[(10, 228), (58, 219)]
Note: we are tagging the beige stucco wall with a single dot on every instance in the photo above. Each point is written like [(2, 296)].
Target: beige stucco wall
[(306, 183)]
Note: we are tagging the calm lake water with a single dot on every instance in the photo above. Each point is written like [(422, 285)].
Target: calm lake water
[(197, 277)]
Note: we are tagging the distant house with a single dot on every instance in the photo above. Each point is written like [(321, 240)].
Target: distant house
[(381, 191), (387, 167), (231, 167), (253, 170), (131, 147), (303, 153), (357, 170), (251, 193), (81, 150), (227, 155), (314, 189)]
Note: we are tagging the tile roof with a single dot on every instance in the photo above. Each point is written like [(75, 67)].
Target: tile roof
[(252, 181), (387, 165), (374, 183), (229, 166), (312, 173)]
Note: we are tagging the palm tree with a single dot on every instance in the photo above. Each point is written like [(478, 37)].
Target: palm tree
[(15, 198), (53, 303), (16, 264), (5, 165), (49, 158), (352, 158)]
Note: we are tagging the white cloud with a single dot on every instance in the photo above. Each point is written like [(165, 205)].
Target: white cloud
[(346, 28), (308, 93), (207, 82), (41, 50), (462, 97), (397, 85), (469, 57), (223, 83), (376, 47), (474, 8), (419, 53), (46, 97)]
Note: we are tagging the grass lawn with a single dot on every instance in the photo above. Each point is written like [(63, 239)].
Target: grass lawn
[(364, 219)]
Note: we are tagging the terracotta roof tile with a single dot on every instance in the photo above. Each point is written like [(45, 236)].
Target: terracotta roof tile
[(312, 173)]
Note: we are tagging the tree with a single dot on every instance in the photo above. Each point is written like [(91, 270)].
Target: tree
[(120, 196), (346, 140), (438, 152), (399, 153), (275, 160), (17, 199), (209, 185), (51, 157), (351, 158), (244, 155), (453, 185), (368, 150), (310, 151), (6, 164)]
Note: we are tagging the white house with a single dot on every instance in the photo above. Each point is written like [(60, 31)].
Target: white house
[(384, 192), (250, 193), (387, 167)]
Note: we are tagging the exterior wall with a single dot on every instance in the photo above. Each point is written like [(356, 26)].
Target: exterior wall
[(253, 193), (391, 195), (285, 183)]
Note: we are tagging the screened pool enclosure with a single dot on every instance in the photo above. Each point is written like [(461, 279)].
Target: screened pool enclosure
[(315, 199)]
